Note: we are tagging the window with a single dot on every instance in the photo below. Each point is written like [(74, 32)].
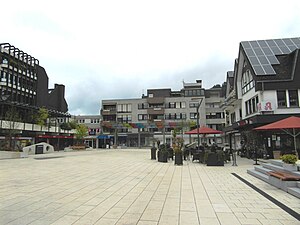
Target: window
[(124, 107), (194, 104), (251, 105), (287, 98), (281, 99), (194, 92), (124, 118), (142, 117), (247, 82), (193, 115), (142, 106), (293, 98), (172, 105)]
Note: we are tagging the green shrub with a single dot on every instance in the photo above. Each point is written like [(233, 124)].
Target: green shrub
[(289, 158)]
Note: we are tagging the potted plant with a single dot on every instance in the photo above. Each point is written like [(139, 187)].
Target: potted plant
[(153, 151), (162, 153), (177, 147), (289, 162)]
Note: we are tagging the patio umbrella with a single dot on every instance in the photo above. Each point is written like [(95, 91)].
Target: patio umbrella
[(204, 130), (288, 125)]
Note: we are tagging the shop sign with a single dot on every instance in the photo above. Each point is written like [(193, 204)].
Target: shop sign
[(265, 106)]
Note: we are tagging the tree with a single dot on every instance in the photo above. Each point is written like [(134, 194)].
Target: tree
[(12, 119), (68, 125), (42, 116), (81, 132)]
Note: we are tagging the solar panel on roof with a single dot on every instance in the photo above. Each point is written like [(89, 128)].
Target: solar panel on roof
[(288, 42), (262, 53), (246, 44), (268, 69), (272, 59), (258, 70), (249, 52), (254, 44), (254, 60), (296, 41), (258, 51), (263, 60), (292, 47), (279, 42), (284, 49), (267, 51), (271, 43), (276, 50), (262, 44)]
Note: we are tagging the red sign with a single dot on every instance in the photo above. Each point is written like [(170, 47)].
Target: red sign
[(265, 106)]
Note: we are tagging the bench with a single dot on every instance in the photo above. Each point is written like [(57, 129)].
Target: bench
[(78, 147), (284, 176)]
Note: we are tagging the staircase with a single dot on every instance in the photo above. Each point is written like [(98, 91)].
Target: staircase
[(261, 172)]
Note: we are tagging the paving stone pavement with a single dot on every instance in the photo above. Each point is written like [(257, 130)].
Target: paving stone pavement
[(125, 187)]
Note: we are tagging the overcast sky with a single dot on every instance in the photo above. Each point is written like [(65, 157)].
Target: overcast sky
[(106, 49)]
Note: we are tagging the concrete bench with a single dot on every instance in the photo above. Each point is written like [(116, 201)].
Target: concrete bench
[(284, 176)]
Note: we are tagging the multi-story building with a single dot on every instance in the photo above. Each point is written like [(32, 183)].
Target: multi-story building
[(24, 90), (263, 88), (92, 122), (137, 122)]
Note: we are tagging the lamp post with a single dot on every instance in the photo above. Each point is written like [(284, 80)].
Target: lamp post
[(198, 117)]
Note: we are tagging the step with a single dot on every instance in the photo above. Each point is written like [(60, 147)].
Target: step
[(258, 174), (294, 191), (262, 169), (276, 162), (279, 168), (272, 166)]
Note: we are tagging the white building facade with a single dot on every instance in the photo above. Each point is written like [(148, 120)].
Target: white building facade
[(263, 88)]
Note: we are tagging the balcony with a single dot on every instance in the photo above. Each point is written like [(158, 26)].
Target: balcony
[(108, 112), (155, 111)]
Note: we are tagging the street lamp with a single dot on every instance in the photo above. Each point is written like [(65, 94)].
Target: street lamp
[(198, 117)]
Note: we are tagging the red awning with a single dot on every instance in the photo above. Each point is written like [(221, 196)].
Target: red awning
[(204, 130), (292, 122)]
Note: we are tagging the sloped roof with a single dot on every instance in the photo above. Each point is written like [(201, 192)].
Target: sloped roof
[(263, 54)]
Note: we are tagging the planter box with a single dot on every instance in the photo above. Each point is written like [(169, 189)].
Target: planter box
[(289, 167), (213, 160), (178, 159), (162, 156)]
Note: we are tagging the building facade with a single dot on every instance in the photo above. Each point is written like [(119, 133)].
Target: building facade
[(138, 122), (264, 87), (92, 122), (24, 91)]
